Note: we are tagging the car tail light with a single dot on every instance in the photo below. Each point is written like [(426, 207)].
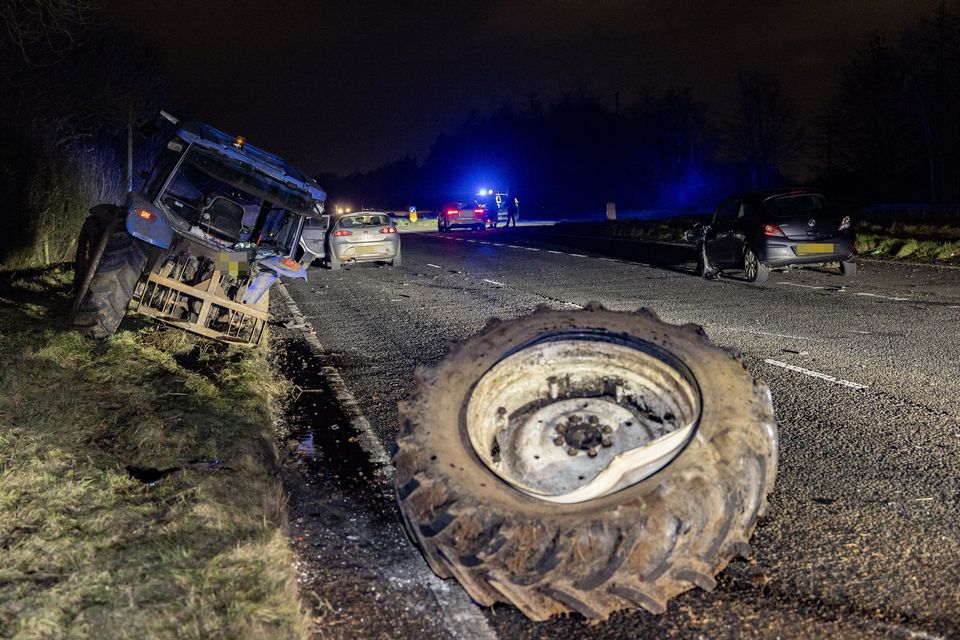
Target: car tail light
[(289, 264), (388, 230), (478, 213), (451, 212), (773, 230), (146, 215), (343, 232), (844, 223)]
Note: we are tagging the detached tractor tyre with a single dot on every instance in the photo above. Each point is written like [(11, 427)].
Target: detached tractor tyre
[(585, 461), (102, 309)]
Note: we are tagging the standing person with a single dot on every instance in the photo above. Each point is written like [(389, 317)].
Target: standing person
[(513, 210)]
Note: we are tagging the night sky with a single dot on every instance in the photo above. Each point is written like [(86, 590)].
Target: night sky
[(352, 85)]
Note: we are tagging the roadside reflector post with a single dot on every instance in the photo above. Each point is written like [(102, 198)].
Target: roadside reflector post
[(413, 213), (611, 211)]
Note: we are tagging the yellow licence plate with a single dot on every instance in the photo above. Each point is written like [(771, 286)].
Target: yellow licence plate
[(813, 248), (366, 250)]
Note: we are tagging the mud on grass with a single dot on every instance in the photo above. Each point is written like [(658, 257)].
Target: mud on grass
[(138, 481)]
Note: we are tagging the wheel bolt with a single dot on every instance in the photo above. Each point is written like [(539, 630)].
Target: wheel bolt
[(607, 429), (593, 420), (606, 442), (558, 440), (592, 452), (561, 428), (571, 451), (575, 419)]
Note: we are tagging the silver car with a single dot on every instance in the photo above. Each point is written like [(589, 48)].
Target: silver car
[(363, 236)]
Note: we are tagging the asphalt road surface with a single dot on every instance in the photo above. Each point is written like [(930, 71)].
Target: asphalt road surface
[(862, 539)]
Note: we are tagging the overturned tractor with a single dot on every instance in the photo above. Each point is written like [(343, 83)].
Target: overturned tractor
[(217, 223)]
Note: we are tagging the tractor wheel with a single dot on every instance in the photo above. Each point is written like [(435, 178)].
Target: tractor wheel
[(585, 461), (86, 247), (114, 281)]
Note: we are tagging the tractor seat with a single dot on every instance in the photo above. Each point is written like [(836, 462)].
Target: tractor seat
[(223, 217)]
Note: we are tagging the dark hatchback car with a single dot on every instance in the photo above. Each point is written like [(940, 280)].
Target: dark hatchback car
[(774, 229)]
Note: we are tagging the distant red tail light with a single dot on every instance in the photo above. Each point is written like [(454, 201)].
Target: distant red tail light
[(451, 212), (478, 213), (343, 232), (388, 230), (773, 230)]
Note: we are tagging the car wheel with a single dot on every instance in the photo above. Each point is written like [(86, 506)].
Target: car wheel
[(756, 272), (397, 260), (442, 225), (333, 262), (848, 268), (478, 227), (523, 468)]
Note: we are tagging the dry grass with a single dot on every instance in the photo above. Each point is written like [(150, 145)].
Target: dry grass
[(90, 551)]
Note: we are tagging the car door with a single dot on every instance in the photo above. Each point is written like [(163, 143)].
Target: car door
[(314, 235), (718, 239), (741, 228)]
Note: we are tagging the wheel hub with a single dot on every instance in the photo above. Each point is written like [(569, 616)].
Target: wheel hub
[(582, 433)]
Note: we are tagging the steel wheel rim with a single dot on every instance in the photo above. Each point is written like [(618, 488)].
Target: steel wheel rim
[(620, 412)]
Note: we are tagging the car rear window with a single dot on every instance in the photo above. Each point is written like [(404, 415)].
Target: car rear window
[(796, 204), (374, 220)]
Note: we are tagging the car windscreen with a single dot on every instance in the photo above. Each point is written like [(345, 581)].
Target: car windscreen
[(371, 220), (797, 204)]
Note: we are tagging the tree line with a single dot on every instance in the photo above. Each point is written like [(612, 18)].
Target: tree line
[(889, 131)]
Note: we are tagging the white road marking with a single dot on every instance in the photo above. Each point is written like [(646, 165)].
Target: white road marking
[(473, 241), (531, 249), (797, 284), (461, 617), (877, 295), (608, 259), (559, 253), (577, 255), (775, 335), (366, 438), (499, 284), (512, 246), (434, 266), (816, 374)]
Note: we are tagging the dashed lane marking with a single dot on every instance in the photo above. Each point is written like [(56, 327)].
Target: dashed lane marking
[(577, 255), (816, 374), (559, 253), (435, 266), (877, 295), (494, 282), (797, 284)]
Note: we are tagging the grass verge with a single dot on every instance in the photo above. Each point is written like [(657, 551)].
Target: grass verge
[(115, 521)]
